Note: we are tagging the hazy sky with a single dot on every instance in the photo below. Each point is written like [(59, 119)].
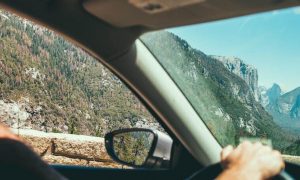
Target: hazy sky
[(269, 41)]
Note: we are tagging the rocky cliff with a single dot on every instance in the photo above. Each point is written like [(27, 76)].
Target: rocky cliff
[(247, 72), (274, 93)]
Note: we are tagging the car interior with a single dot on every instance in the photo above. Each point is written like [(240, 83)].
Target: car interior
[(110, 31)]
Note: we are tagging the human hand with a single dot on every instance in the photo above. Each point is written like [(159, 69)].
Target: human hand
[(250, 161)]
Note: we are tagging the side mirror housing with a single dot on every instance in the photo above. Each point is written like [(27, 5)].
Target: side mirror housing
[(139, 147)]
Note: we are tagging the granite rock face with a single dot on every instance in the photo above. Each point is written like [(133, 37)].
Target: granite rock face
[(284, 106), (245, 71), (274, 93)]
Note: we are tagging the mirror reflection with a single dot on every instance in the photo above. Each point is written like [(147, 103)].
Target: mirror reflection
[(133, 147)]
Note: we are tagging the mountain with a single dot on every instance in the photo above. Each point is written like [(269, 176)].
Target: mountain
[(245, 71), (269, 96), (48, 84), (287, 105), (285, 108), (290, 100), (222, 98), (274, 93)]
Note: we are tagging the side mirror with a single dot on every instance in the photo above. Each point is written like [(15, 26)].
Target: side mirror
[(139, 147)]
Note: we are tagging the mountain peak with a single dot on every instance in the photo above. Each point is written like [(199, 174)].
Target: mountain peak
[(275, 85), (274, 92), (276, 88)]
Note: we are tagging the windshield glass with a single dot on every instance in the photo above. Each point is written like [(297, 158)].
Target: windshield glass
[(240, 75)]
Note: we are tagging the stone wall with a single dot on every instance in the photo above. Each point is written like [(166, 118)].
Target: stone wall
[(68, 149), (292, 159)]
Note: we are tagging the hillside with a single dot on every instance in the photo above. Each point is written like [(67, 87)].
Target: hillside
[(223, 100), (48, 84)]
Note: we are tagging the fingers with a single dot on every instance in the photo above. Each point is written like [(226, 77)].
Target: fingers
[(224, 155), (225, 152), (277, 154)]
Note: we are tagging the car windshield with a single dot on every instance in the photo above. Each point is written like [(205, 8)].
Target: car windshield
[(240, 75)]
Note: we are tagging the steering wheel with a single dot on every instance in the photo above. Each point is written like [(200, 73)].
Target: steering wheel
[(212, 171)]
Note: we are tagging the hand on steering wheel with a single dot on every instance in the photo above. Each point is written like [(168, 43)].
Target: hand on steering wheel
[(249, 161), (213, 171)]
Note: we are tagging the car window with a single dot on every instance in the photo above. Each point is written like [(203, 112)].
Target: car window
[(58, 98), (240, 75)]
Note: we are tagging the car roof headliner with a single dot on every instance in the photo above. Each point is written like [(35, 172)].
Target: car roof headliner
[(108, 28), (157, 14)]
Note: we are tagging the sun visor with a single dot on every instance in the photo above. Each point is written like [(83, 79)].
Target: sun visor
[(159, 6), (156, 14)]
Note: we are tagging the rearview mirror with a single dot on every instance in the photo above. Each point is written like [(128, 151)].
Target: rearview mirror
[(139, 147)]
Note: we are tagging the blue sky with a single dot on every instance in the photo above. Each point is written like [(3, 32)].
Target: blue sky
[(269, 41)]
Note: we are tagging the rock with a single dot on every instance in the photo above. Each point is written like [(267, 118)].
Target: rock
[(263, 99), (52, 159), (13, 114), (69, 149), (292, 159), (106, 164), (247, 72), (34, 73), (274, 93), (39, 144), (89, 148), (61, 160)]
